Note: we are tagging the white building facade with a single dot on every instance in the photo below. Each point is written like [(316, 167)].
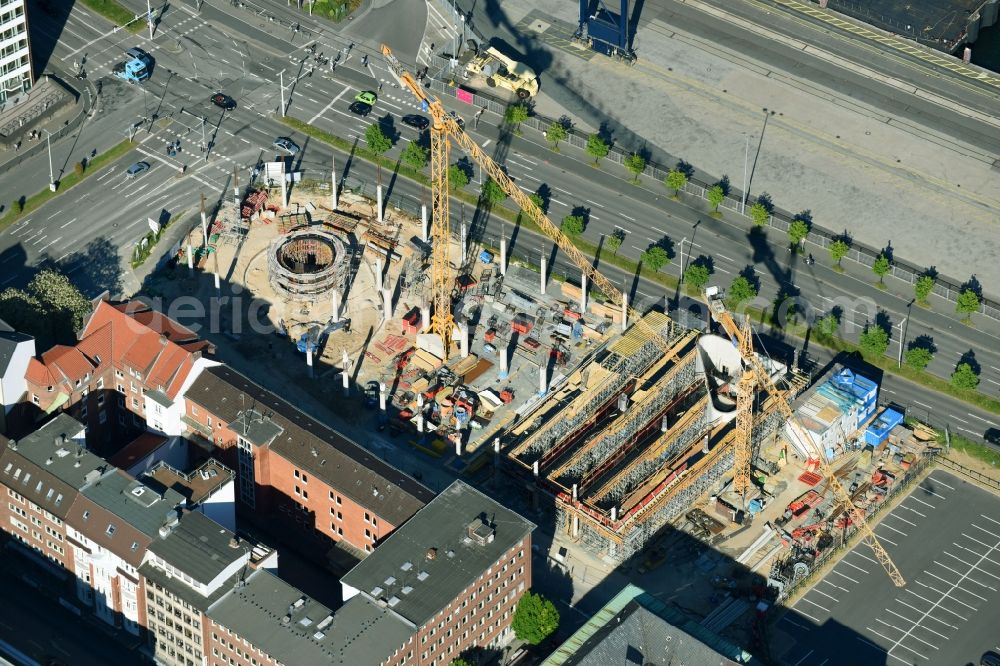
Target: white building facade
[(15, 55)]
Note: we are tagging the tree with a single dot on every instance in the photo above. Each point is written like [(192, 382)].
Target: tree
[(696, 276), (827, 326), (415, 155), (922, 288), (797, 231), (676, 180), (535, 618), (881, 267), (874, 341), (965, 377), (461, 662), (759, 214), (78, 168), (715, 195), (555, 133), (615, 240), (378, 143), (25, 313), (572, 225), (967, 303), (597, 147), (18, 205), (59, 295), (635, 163), (492, 192), (457, 177), (538, 201), (654, 258), (515, 115), (838, 250), (918, 357), (741, 290)]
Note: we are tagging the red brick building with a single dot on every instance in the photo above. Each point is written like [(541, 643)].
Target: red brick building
[(294, 473), (126, 371)]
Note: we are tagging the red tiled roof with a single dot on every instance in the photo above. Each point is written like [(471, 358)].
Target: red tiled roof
[(98, 345), (137, 449), (164, 326), (38, 374), (69, 361), (143, 350)]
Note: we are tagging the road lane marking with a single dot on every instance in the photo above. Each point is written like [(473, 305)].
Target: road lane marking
[(332, 102), (980, 418), (54, 240), (69, 223), (631, 219)]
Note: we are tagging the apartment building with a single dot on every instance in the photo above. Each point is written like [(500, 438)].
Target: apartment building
[(192, 564), (454, 573), (15, 51), (294, 474), (124, 375)]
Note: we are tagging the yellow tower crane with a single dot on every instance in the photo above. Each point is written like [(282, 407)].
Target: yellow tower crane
[(759, 376), (444, 128)]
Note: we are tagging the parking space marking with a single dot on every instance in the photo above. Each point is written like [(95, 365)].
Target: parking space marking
[(941, 483), (804, 658), (887, 540), (990, 519), (992, 534), (973, 539), (969, 592), (887, 610), (828, 596), (960, 573), (893, 515), (890, 527), (991, 561), (922, 515), (787, 618), (931, 492), (972, 566), (835, 585), (961, 617), (843, 575), (943, 594), (808, 601), (855, 552), (855, 566), (917, 499)]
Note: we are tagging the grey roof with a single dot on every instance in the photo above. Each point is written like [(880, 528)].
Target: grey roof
[(134, 502), (9, 339), (637, 628), (313, 446), (160, 398), (58, 448), (359, 633), (180, 589), (199, 547), (425, 564)]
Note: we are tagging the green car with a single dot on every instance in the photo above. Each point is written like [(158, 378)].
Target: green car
[(366, 97)]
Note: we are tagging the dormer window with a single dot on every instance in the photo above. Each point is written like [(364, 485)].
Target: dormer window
[(110, 531), (86, 515), (51, 388)]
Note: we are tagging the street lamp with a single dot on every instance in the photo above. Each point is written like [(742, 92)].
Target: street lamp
[(746, 163), (52, 177), (683, 240), (902, 339)]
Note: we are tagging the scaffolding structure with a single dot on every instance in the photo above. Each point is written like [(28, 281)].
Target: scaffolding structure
[(631, 446)]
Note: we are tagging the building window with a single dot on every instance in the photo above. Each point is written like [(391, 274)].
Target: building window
[(194, 410), (110, 531), (296, 474), (298, 491), (208, 420), (339, 501), (367, 517), (374, 521), (34, 398)]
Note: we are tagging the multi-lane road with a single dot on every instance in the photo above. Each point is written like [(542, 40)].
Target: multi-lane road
[(90, 232)]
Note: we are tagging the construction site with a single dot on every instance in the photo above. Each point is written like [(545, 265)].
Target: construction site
[(635, 434)]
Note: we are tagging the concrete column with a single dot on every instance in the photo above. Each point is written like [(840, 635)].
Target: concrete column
[(574, 493), (378, 272), (542, 277), (218, 286), (664, 424), (496, 458), (624, 311), (381, 396), (503, 256), (378, 202), (346, 374), (576, 525), (534, 468), (496, 445), (622, 403), (583, 292), (704, 448), (458, 447), (190, 257), (423, 222), (464, 340), (336, 305), (284, 186), (614, 514), (425, 317), (204, 227), (503, 363), (333, 182), (542, 380), (420, 412), (465, 246), (387, 303), (309, 360)]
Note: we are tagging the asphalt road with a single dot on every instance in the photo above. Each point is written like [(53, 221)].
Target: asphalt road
[(43, 629), (105, 216), (945, 539)]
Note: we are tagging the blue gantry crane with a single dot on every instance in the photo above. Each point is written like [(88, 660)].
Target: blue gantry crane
[(606, 31)]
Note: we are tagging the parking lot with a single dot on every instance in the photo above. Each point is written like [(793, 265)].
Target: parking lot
[(945, 538)]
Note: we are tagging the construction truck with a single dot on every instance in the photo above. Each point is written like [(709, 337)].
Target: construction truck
[(136, 68), (503, 72)]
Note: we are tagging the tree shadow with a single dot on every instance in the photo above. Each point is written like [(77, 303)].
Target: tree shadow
[(724, 184), (970, 358), (685, 168), (923, 342), (544, 192), (974, 285)]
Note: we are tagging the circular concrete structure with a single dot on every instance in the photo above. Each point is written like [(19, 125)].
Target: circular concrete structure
[(306, 263)]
